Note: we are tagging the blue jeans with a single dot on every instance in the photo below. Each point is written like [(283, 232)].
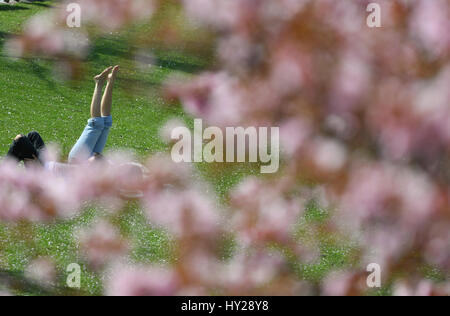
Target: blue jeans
[(92, 140)]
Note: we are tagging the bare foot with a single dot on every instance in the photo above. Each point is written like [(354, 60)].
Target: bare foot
[(102, 77), (113, 74)]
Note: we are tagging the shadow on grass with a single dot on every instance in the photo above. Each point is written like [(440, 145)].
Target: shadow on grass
[(30, 67), (38, 3), (4, 35), (109, 47), (18, 282), (130, 84), (179, 66), (42, 73), (122, 49), (9, 7)]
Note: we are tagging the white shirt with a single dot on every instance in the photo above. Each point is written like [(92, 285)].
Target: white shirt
[(57, 167)]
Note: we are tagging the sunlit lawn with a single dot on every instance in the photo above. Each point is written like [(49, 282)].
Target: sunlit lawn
[(32, 98)]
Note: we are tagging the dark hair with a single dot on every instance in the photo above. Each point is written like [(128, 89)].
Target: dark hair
[(21, 149)]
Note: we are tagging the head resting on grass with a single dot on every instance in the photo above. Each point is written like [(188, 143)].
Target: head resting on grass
[(22, 149)]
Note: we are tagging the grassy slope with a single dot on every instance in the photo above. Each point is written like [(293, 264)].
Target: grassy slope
[(31, 99)]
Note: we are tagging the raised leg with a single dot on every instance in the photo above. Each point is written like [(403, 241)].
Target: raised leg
[(106, 112), (107, 96), (84, 148), (96, 99)]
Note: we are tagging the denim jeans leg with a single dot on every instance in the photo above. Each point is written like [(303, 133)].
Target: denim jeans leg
[(103, 138), (84, 148)]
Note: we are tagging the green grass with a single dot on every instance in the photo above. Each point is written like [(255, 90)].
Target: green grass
[(32, 98)]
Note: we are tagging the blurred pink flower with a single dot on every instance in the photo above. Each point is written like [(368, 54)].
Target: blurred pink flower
[(136, 281), (43, 271), (213, 97), (377, 191), (263, 215), (430, 23), (362, 112), (184, 212), (102, 244)]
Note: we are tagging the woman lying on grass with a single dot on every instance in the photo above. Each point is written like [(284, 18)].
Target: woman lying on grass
[(30, 149)]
